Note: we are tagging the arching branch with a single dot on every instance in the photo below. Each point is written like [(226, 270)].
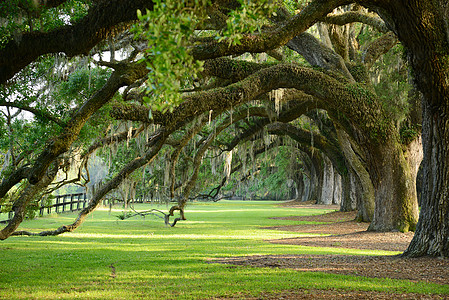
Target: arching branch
[(318, 54), (14, 178), (157, 142), (319, 142), (280, 35), (29, 193), (116, 138), (176, 153), (100, 22), (357, 17), (125, 74), (214, 192), (35, 111), (378, 48)]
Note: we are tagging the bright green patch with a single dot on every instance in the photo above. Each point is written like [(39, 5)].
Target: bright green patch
[(155, 262)]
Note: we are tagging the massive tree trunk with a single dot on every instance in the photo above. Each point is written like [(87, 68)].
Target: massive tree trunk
[(432, 234), (423, 28), (395, 197)]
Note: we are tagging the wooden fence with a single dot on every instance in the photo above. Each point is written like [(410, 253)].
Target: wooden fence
[(65, 203), (62, 203)]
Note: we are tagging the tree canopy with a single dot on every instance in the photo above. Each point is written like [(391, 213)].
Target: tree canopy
[(269, 92)]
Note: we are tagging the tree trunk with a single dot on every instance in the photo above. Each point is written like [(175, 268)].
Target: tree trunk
[(327, 188), (316, 180), (366, 200), (350, 191), (423, 28), (396, 202), (337, 188), (432, 233)]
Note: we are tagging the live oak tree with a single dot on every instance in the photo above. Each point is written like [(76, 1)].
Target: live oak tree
[(423, 27), (193, 180), (368, 134)]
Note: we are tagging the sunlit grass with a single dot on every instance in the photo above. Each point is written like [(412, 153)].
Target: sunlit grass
[(157, 262)]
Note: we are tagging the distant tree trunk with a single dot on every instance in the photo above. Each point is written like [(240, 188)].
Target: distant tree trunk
[(327, 188), (337, 189), (350, 191), (316, 180), (312, 184)]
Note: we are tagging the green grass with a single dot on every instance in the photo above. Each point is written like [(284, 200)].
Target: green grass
[(156, 262)]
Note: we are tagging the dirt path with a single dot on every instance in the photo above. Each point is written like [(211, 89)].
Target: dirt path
[(343, 232)]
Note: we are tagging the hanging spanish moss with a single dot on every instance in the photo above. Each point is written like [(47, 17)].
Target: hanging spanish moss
[(228, 164), (276, 96)]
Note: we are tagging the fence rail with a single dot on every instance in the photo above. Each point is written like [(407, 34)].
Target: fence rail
[(62, 203)]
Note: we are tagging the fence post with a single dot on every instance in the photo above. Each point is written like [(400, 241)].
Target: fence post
[(41, 209), (71, 202), (63, 203), (78, 202), (57, 203)]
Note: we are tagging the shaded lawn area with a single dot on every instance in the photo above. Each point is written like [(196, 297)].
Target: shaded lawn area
[(152, 261)]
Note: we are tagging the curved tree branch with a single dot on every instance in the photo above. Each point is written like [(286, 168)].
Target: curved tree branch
[(116, 138), (359, 17), (124, 74), (9, 181), (281, 35), (319, 142), (26, 196), (378, 48), (37, 112), (318, 54), (79, 38), (157, 142), (177, 152)]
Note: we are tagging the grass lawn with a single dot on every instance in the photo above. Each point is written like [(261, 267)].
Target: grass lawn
[(156, 262)]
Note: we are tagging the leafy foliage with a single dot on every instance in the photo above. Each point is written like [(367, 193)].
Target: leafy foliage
[(168, 28), (19, 16)]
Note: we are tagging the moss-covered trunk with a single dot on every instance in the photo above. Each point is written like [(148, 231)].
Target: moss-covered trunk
[(395, 191), (365, 200), (432, 233), (423, 29)]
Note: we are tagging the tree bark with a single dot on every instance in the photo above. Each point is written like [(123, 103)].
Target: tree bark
[(432, 233), (327, 187), (365, 203), (30, 193), (350, 191), (423, 28), (395, 197)]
